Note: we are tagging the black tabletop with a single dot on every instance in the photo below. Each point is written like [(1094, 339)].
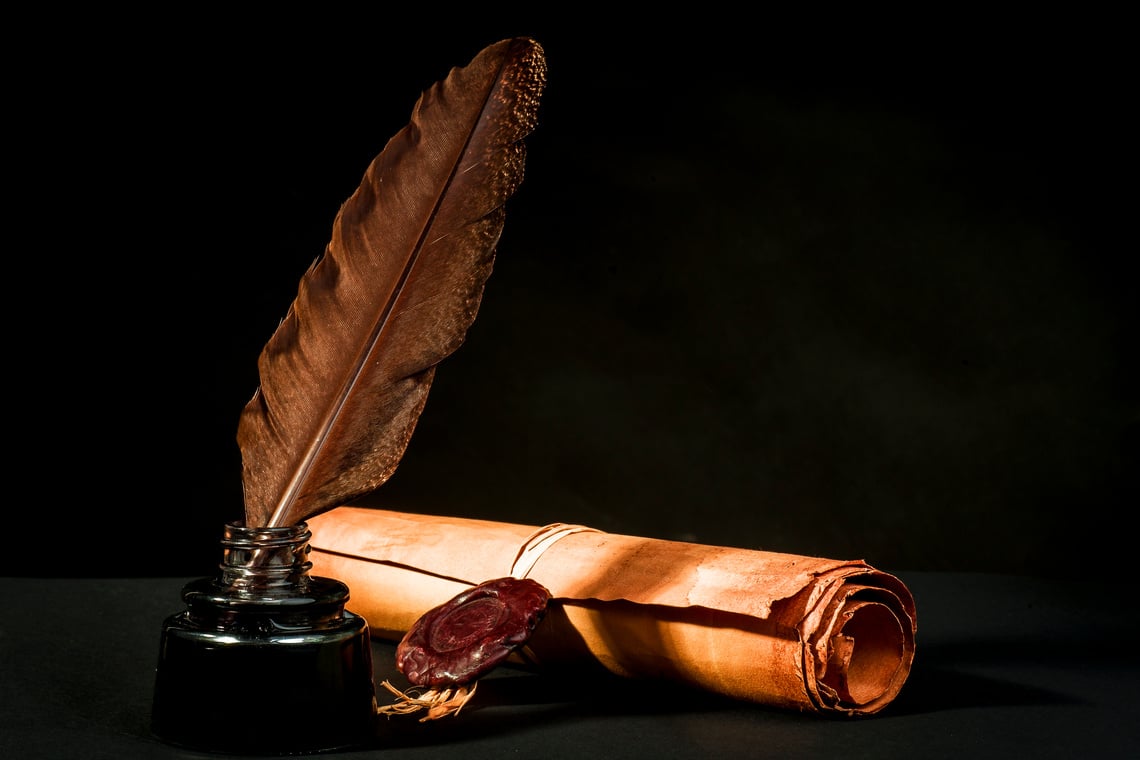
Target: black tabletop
[(1006, 666)]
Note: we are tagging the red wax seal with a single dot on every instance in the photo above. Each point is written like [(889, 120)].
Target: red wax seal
[(461, 640)]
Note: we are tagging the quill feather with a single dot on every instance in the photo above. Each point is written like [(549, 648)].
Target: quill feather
[(346, 374)]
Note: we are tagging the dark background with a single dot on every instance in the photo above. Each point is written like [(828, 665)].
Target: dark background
[(848, 289)]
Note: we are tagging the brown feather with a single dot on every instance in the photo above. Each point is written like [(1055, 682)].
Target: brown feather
[(346, 374)]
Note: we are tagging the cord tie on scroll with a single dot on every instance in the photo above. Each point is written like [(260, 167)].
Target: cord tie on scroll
[(541, 540), (454, 644)]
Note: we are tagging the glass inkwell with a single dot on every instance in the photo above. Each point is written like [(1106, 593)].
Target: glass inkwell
[(264, 659)]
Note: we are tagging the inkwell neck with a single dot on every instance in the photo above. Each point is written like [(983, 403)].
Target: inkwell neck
[(261, 559)]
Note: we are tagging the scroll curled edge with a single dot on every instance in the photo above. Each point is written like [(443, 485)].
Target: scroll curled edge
[(790, 631)]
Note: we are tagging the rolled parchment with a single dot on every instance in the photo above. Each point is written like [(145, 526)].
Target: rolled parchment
[(823, 635)]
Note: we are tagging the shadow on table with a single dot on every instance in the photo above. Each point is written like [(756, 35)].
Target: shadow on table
[(941, 680), (948, 677)]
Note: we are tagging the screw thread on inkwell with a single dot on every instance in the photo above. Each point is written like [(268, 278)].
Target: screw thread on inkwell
[(264, 659)]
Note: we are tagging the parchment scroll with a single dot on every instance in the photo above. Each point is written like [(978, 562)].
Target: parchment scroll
[(806, 633)]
